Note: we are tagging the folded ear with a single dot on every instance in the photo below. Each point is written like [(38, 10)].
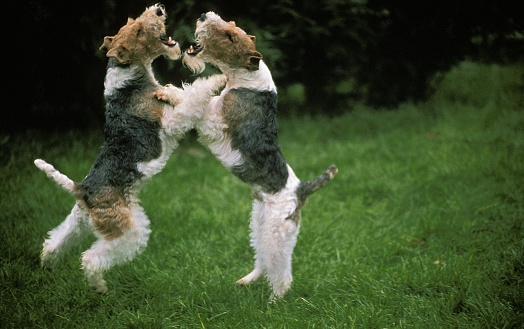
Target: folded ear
[(122, 55), (107, 44), (130, 20), (253, 60), (253, 38)]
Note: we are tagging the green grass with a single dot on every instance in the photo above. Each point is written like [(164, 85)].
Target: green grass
[(421, 228)]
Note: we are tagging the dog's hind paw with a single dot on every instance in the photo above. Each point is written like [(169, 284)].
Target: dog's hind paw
[(251, 277)]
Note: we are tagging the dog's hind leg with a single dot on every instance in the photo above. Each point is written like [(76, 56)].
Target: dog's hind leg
[(106, 253), (280, 238), (255, 227), (273, 237), (71, 231)]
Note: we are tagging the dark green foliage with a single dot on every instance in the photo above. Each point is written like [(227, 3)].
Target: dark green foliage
[(327, 54)]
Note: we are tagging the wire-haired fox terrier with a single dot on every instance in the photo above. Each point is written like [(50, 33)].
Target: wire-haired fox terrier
[(140, 133), (240, 128)]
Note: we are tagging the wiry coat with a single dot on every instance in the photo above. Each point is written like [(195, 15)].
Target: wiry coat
[(254, 133), (140, 133), (241, 130)]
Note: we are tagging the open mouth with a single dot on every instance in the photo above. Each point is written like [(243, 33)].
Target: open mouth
[(193, 50), (168, 41)]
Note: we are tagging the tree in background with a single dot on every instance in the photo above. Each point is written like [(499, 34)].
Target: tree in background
[(419, 38), (331, 52)]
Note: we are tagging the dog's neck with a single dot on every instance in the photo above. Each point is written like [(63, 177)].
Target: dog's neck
[(258, 80), (119, 76)]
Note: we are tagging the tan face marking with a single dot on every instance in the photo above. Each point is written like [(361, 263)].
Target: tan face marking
[(142, 40), (223, 43)]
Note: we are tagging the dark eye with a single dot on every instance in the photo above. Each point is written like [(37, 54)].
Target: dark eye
[(229, 36), (138, 32)]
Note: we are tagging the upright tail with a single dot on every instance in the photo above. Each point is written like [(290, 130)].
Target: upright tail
[(65, 182), (305, 189)]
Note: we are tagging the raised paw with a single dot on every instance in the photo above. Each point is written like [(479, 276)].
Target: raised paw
[(169, 94), (161, 95), (221, 79)]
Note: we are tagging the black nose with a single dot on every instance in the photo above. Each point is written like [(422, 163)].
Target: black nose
[(203, 17)]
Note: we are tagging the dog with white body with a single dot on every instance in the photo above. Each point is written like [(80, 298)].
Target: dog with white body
[(240, 128)]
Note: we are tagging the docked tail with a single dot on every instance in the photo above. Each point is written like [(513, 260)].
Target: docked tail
[(307, 188), (65, 182)]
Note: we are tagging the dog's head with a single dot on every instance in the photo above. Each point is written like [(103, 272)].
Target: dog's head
[(222, 44), (142, 40)]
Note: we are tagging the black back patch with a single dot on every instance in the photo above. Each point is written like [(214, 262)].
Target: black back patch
[(253, 130), (128, 140)]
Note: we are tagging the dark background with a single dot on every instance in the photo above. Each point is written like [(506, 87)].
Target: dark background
[(336, 51)]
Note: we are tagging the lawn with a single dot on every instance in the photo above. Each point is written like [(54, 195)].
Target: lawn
[(421, 228)]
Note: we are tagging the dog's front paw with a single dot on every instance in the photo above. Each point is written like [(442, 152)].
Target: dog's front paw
[(222, 78), (169, 94), (218, 81), (161, 94)]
